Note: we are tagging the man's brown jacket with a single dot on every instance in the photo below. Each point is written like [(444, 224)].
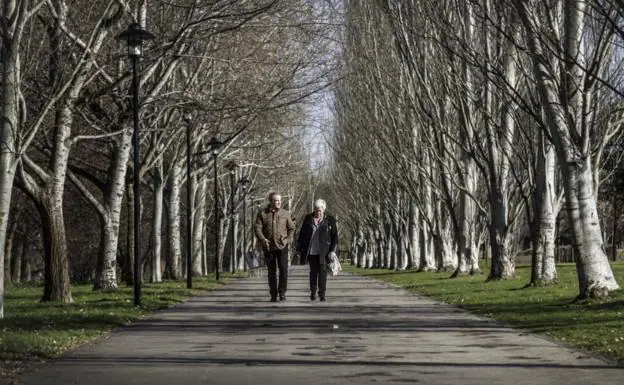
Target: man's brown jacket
[(276, 226)]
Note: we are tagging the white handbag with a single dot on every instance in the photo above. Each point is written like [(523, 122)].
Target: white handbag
[(334, 263)]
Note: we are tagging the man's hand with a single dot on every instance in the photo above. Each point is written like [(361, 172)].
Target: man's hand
[(266, 244)]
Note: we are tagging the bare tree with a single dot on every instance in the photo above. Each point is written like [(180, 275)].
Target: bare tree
[(568, 120)]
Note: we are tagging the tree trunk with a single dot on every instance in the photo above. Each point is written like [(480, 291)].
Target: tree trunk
[(389, 261), (427, 259), (592, 264), (427, 256), (571, 143), (110, 215), (414, 237), (502, 263), (371, 243), (464, 239), (438, 234), (49, 199), (199, 207), (159, 188), (543, 269), (401, 237), (128, 265), (379, 250), (173, 221), (10, 125), (17, 262), (8, 249), (106, 271), (467, 122), (360, 243), (448, 256), (614, 210), (56, 272), (475, 254), (26, 270)]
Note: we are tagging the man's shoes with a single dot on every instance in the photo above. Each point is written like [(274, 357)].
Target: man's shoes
[(312, 297), (322, 298), (273, 299), (282, 298)]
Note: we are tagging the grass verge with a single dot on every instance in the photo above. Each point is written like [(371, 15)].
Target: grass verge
[(33, 331), (596, 326)]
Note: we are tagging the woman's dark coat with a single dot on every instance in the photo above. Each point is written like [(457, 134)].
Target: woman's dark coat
[(328, 236)]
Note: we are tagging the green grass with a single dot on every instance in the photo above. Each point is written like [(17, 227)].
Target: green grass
[(32, 329), (596, 326)]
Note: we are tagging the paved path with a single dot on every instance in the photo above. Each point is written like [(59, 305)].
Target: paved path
[(366, 333)]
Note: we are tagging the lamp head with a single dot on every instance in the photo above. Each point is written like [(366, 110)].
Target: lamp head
[(232, 166), (244, 182), (215, 144), (134, 36)]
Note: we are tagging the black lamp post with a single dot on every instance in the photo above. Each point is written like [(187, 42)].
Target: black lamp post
[(134, 36), (253, 236), (244, 182), (189, 207), (215, 144), (232, 166)]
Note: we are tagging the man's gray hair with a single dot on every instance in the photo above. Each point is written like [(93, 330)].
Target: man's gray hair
[(272, 195), (320, 203)]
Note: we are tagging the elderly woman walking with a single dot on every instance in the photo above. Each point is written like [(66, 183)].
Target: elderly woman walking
[(317, 239)]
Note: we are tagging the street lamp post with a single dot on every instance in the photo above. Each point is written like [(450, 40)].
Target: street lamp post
[(253, 236), (244, 182), (134, 37), (189, 207), (215, 144)]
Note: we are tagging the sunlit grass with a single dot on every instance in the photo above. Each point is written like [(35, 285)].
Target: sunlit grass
[(596, 325)]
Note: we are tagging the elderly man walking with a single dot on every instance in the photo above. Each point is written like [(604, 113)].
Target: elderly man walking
[(275, 231)]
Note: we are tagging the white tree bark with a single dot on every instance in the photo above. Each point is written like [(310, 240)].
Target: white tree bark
[(15, 15), (371, 244), (240, 225), (109, 211), (8, 158), (445, 253), (49, 199), (199, 208), (388, 250), (564, 120), (543, 269), (113, 199), (173, 222), (159, 187), (414, 237), (468, 173), (428, 260)]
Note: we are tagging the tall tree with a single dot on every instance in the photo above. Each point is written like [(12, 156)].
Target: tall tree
[(565, 93)]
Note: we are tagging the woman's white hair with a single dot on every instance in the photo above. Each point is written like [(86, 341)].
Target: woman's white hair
[(320, 203)]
